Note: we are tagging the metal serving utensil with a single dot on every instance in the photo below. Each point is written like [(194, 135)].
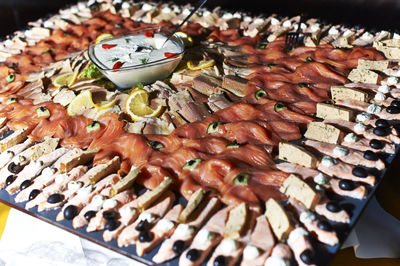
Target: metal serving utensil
[(292, 39), (198, 5)]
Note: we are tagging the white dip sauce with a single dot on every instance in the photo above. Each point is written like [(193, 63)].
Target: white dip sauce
[(136, 58)]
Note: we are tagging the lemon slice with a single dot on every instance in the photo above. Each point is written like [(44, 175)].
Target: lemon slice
[(137, 106), (103, 105), (187, 40), (104, 37), (67, 79), (202, 64), (80, 103)]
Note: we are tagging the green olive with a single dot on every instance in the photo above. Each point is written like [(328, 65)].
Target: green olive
[(241, 179), (10, 78), (259, 94)]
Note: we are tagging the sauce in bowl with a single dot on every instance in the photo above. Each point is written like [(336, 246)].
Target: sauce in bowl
[(136, 58)]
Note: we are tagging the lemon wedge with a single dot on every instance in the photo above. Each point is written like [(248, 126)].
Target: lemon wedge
[(80, 103), (104, 37), (104, 105), (202, 64), (187, 40), (67, 79), (137, 106)]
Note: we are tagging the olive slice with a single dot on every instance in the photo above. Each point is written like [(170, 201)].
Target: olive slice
[(279, 106), (155, 144), (213, 127), (191, 164), (241, 179), (233, 145), (259, 94)]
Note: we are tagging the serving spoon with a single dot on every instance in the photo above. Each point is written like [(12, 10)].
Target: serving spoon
[(198, 5)]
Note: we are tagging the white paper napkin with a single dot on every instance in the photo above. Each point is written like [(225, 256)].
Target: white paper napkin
[(30, 241)]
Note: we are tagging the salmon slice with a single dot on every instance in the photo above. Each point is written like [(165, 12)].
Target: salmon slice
[(309, 220), (345, 171), (130, 234), (362, 144), (162, 230), (82, 198), (341, 216), (260, 245), (298, 242), (281, 254), (60, 183), (185, 233), (379, 111), (364, 131), (358, 192), (207, 238), (99, 222), (34, 168), (351, 156)]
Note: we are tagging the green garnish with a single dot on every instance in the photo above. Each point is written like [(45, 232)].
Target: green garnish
[(93, 126), (155, 144), (308, 59), (233, 145), (11, 100), (262, 45), (10, 78), (190, 165), (48, 51), (139, 85), (144, 60), (271, 65), (301, 85), (43, 111), (279, 106), (259, 94), (127, 40), (115, 59), (91, 72), (241, 179), (213, 127)]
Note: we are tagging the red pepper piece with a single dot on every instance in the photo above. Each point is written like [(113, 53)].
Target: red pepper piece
[(108, 46), (170, 55), (117, 65), (149, 34)]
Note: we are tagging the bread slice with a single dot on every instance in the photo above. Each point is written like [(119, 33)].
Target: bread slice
[(300, 190), (236, 221), (278, 219)]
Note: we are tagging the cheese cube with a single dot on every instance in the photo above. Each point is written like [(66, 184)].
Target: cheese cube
[(296, 154), (323, 132), (344, 93), (363, 76), (328, 111), (278, 219), (380, 65), (300, 190)]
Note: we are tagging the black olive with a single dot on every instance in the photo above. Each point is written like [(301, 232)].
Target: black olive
[(143, 225), (359, 172), (193, 254), (145, 236), (220, 261), (376, 144), (14, 168), (395, 103), (191, 162), (9, 180), (333, 206), (178, 246), (393, 109), (70, 212), (55, 198), (110, 215), (382, 123), (347, 185), (215, 125), (381, 131), (324, 225), (89, 215), (307, 256), (33, 194), (370, 156), (25, 184), (111, 225), (42, 109)]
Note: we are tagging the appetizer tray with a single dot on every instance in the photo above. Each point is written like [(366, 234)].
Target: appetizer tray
[(252, 134)]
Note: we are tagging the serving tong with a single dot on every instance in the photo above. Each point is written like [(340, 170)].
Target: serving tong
[(293, 39)]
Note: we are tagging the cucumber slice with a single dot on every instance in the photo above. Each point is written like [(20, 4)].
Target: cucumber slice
[(93, 126)]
